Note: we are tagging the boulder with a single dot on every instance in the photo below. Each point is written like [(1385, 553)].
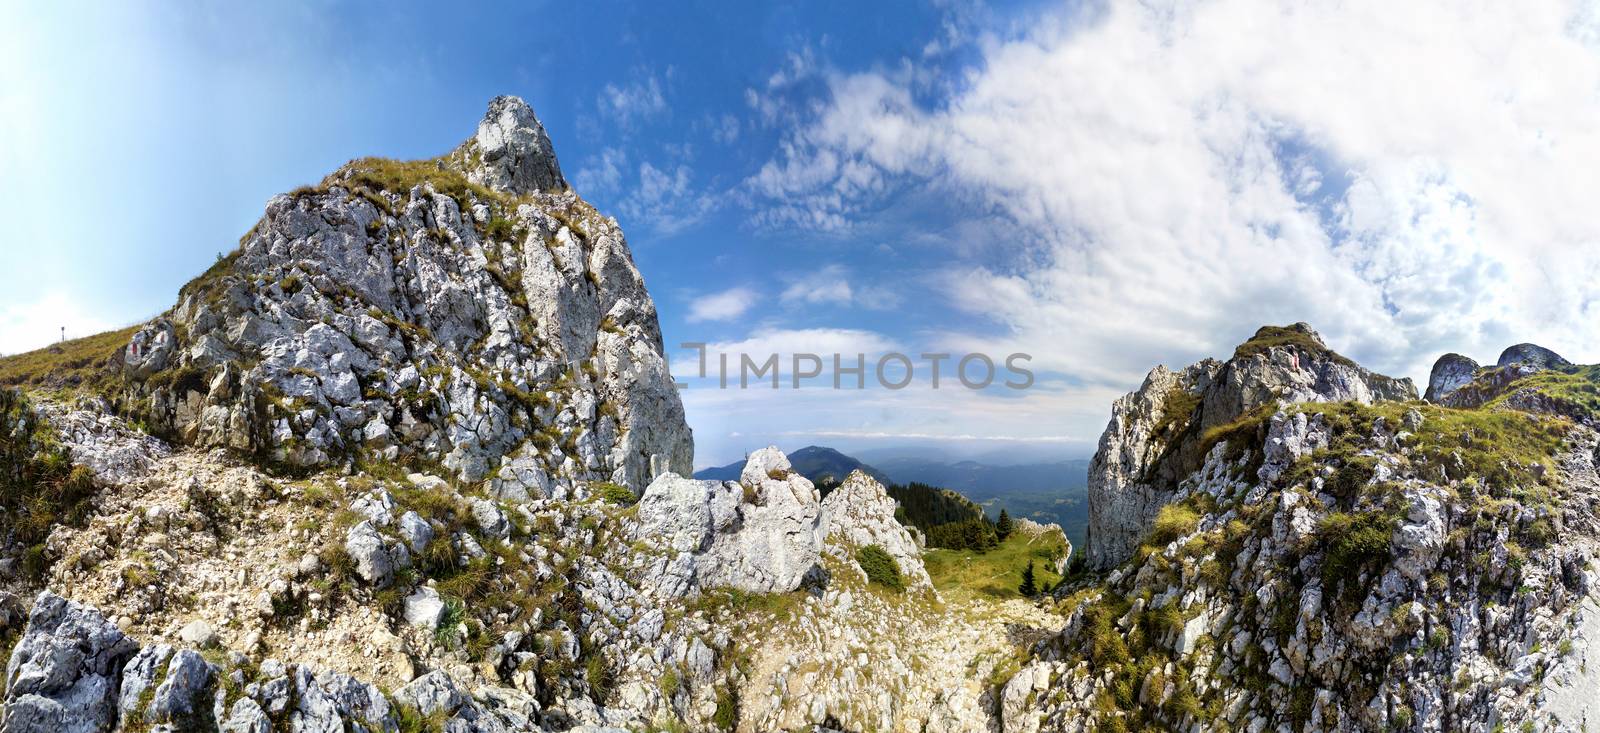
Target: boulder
[(198, 633), (416, 532), (63, 676), (424, 609), (761, 535), (365, 546)]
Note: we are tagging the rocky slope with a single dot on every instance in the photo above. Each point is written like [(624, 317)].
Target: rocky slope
[(410, 460), (469, 311), (204, 593), (1346, 561), (1157, 435)]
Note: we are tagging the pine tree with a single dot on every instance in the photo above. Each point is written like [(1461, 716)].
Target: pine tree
[(1029, 587), (1002, 528)]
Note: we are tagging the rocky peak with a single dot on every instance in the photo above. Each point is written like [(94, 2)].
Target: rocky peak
[(761, 534), (1157, 434), (467, 311), (516, 154), (1450, 373), (1457, 381), (1532, 355)]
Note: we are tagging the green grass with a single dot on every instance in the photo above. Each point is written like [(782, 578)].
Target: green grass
[(1268, 337), (1496, 447), (996, 573), (79, 363), (1353, 543), (1578, 386), (1177, 410), (39, 486), (1172, 522), (398, 176)]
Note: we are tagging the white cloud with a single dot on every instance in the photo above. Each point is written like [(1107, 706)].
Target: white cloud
[(635, 101), (831, 285), (665, 200), (827, 285), (1410, 179), (724, 306), (725, 129), (29, 326), (602, 175)]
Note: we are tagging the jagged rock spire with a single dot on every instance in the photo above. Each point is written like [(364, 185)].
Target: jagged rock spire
[(517, 156)]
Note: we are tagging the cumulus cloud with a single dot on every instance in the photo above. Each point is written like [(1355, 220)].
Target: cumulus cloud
[(1410, 179), (602, 174), (724, 306)]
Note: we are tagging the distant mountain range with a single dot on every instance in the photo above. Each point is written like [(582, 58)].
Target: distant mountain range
[(1044, 492), (813, 461)]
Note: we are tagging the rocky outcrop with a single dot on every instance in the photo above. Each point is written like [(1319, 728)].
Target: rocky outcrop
[(1532, 355), (1502, 383), (517, 154), (64, 675), (762, 534), (101, 442), (1450, 373), (468, 311), (1347, 566), (860, 512), (1157, 434)]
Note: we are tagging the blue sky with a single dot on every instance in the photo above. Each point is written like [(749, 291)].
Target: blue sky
[(1103, 186)]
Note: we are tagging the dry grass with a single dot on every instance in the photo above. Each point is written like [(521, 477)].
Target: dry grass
[(72, 364)]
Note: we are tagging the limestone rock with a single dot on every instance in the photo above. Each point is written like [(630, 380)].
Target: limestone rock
[(1532, 355), (424, 608), (761, 535), (198, 633), (365, 546), (517, 154), (1156, 434), (1450, 373), (860, 512), (501, 332), (63, 674)]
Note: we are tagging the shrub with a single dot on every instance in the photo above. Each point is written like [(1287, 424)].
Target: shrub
[(1352, 543), (880, 567), (499, 228), (614, 493), (599, 677)]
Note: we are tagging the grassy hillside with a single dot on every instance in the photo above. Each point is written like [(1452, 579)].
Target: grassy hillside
[(996, 573), (79, 363)]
